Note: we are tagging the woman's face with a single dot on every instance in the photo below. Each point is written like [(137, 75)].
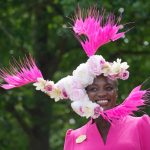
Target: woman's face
[(103, 91)]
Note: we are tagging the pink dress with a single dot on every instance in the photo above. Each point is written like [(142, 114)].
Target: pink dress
[(130, 133)]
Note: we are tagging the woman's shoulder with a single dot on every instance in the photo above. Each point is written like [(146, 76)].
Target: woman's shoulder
[(78, 131), (145, 119), (73, 135)]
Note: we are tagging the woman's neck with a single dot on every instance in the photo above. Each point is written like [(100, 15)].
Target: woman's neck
[(101, 122), (103, 127)]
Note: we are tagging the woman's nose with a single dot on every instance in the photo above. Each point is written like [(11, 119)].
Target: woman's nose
[(101, 96), (101, 93)]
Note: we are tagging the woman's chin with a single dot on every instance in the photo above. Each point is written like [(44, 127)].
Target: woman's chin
[(107, 107)]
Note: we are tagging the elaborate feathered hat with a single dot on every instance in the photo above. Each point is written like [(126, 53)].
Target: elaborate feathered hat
[(97, 31)]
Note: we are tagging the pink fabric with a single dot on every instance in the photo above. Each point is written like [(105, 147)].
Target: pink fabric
[(130, 133)]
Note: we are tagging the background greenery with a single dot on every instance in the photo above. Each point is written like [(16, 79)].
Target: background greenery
[(30, 120)]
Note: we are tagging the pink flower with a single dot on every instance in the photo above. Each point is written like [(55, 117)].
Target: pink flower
[(64, 94), (49, 86), (97, 111), (124, 75), (102, 61), (95, 64)]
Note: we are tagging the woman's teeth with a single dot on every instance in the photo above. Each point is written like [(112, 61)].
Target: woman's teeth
[(102, 102)]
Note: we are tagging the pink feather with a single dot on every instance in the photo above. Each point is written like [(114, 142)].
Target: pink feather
[(130, 104), (97, 32), (20, 73)]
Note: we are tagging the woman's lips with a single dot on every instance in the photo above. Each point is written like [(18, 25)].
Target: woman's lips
[(102, 102)]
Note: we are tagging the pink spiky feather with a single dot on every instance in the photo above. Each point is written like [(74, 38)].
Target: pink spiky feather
[(90, 24), (20, 73), (132, 103)]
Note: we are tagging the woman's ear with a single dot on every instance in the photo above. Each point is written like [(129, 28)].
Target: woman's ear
[(116, 92), (117, 95)]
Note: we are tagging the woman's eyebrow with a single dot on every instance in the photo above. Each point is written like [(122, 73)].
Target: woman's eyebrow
[(110, 84), (91, 85)]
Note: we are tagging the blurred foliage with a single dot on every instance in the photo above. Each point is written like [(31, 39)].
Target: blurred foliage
[(41, 28)]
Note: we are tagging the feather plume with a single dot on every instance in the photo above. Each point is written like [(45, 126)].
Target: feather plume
[(131, 103), (97, 32), (20, 73)]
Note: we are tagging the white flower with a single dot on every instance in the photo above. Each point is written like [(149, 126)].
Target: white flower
[(56, 94), (116, 67), (65, 83), (49, 85), (77, 94), (88, 108), (88, 111), (106, 68), (68, 84), (40, 84), (83, 75), (77, 107), (124, 66), (85, 108)]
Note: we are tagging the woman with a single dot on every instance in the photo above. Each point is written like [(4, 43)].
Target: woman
[(129, 133), (92, 89)]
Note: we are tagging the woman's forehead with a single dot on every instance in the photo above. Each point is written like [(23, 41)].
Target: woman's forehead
[(103, 80)]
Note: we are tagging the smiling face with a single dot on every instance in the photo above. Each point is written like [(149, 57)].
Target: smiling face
[(103, 91)]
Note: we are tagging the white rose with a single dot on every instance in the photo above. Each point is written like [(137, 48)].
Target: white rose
[(68, 84), (83, 75), (88, 108), (77, 107), (78, 94), (106, 69), (65, 83)]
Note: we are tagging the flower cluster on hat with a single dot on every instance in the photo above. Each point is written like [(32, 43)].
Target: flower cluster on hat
[(87, 109), (98, 32), (50, 89), (73, 86), (119, 70)]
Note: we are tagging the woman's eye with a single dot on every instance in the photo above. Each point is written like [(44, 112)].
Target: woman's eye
[(93, 89), (109, 88)]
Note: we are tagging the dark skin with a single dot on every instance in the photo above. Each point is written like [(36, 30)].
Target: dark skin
[(103, 91)]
